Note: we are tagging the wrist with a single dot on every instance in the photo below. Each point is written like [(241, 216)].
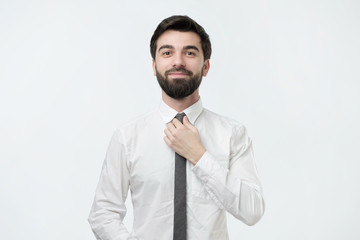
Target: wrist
[(198, 156)]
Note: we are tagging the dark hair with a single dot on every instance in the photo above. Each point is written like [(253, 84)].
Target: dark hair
[(182, 24)]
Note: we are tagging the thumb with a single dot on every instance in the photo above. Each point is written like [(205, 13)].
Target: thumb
[(186, 122)]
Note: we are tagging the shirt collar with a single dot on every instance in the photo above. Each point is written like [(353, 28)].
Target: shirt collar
[(193, 112)]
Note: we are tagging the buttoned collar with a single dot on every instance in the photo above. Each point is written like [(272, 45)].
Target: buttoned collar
[(192, 112)]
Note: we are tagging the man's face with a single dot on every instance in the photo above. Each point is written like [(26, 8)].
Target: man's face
[(179, 63)]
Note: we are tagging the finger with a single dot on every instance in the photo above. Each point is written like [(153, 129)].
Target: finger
[(177, 123), (171, 127), (168, 133), (186, 121), (167, 141), (188, 124)]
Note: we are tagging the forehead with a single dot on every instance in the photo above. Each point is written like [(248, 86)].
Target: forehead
[(179, 39)]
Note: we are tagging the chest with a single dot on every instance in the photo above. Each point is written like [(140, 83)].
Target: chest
[(152, 161)]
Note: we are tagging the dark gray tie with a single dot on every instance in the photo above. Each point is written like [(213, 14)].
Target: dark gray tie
[(180, 193)]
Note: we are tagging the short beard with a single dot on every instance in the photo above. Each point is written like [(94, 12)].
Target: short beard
[(179, 88)]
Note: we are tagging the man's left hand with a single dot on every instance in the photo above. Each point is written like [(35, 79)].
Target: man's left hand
[(184, 139)]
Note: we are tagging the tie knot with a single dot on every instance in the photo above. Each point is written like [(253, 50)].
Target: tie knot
[(180, 116)]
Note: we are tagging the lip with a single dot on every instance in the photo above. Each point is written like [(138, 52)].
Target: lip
[(177, 74)]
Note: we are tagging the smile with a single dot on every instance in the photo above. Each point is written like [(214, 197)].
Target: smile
[(178, 74)]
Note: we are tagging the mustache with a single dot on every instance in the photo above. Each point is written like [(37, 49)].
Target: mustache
[(183, 70)]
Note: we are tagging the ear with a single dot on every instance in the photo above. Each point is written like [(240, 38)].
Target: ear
[(206, 67), (154, 67)]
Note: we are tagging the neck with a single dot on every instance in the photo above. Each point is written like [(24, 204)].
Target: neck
[(181, 104)]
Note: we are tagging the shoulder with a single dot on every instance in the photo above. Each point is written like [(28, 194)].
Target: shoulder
[(136, 125), (226, 125), (221, 120)]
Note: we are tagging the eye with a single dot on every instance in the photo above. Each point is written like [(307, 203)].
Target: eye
[(166, 53)]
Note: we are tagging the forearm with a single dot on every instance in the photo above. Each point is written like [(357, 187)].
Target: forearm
[(241, 197)]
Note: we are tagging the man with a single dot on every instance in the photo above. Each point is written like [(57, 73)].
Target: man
[(218, 171)]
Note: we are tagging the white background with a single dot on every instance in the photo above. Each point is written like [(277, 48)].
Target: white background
[(72, 71)]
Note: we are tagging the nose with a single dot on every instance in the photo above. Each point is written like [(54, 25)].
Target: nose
[(179, 61)]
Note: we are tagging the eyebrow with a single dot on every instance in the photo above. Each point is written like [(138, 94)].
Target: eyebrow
[(184, 48), (191, 47), (165, 46)]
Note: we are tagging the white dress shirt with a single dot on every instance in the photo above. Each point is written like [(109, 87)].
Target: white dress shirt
[(223, 180)]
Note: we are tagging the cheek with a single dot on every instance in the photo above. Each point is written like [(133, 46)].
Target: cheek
[(199, 67), (159, 65)]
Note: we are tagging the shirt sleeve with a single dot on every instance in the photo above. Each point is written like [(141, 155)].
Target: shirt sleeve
[(236, 189), (108, 209)]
